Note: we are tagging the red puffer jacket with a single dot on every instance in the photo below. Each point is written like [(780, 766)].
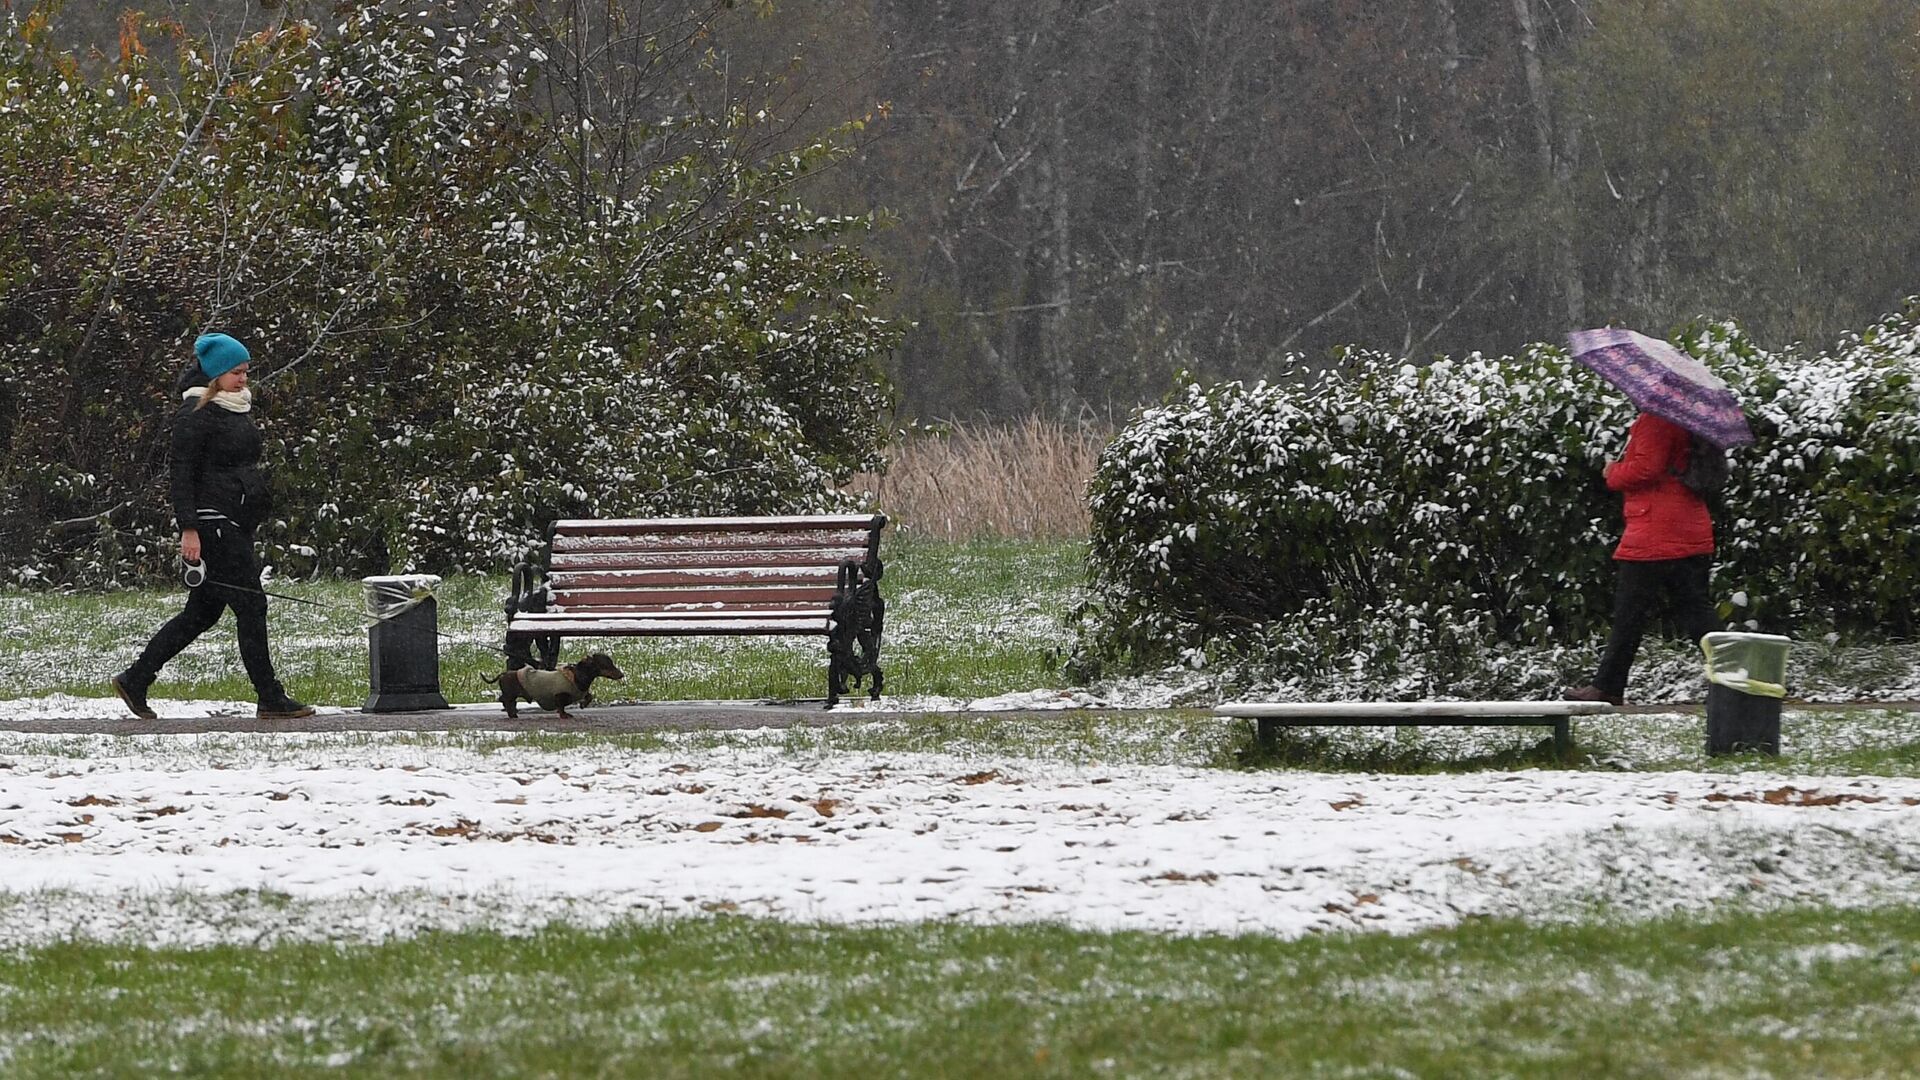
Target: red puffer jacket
[(1665, 520)]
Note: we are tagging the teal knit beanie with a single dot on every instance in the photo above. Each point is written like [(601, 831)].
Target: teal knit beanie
[(219, 354)]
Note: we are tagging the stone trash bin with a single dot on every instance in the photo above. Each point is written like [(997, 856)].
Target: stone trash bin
[(403, 648), (1746, 681)]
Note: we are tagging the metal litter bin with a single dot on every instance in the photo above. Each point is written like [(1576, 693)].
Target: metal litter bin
[(403, 647), (1746, 681)]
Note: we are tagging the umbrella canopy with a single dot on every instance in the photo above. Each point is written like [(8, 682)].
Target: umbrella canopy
[(1664, 381)]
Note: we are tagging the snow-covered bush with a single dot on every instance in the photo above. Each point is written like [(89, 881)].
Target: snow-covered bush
[(1403, 520), (471, 309)]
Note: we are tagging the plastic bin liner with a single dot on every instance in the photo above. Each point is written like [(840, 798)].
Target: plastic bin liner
[(387, 597), (1750, 663)]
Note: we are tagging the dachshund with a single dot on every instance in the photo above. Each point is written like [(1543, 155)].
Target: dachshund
[(554, 689)]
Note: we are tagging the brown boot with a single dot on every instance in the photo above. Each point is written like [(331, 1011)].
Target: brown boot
[(1591, 692), (132, 689)]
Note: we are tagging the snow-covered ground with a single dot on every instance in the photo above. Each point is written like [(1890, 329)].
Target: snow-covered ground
[(202, 839)]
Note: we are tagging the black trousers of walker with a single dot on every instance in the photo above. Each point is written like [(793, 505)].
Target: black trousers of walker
[(1644, 590), (228, 554)]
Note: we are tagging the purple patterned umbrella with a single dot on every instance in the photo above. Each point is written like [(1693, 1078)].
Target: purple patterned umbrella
[(1664, 381)]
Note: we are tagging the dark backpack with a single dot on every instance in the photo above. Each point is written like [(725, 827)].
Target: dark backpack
[(1706, 471)]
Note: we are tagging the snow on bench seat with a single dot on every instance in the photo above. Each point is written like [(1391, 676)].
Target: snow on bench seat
[(1273, 715)]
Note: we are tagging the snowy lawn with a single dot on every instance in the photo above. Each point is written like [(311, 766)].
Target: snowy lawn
[(1057, 894), (961, 895), (1101, 822), (951, 889)]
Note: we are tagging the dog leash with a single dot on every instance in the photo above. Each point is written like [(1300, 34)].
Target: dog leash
[(196, 576)]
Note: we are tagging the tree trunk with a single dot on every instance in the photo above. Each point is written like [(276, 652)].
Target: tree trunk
[(1643, 261), (1058, 316), (1556, 170), (1447, 21), (1148, 101)]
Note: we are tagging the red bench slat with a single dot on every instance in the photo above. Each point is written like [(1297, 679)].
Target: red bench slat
[(563, 580), (764, 611), (865, 523), (659, 627), (743, 541), (703, 559), (588, 599)]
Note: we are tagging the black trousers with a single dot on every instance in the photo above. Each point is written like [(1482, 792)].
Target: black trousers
[(228, 555), (1644, 590)]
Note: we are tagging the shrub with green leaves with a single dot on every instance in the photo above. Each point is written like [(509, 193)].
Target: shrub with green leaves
[(478, 296), (1397, 519)]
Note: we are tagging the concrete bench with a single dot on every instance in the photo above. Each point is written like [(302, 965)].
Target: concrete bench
[(1272, 716), (812, 575)]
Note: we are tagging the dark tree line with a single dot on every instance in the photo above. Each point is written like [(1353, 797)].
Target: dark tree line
[(1096, 194), (1092, 195)]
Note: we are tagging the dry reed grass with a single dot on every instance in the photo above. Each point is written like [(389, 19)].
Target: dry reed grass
[(1024, 480)]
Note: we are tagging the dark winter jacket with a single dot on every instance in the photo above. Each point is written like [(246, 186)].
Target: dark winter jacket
[(215, 472), (1665, 518)]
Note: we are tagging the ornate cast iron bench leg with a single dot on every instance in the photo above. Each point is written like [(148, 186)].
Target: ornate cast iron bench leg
[(527, 598), (853, 640)]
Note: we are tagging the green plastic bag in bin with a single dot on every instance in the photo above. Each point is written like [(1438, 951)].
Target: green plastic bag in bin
[(1750, 663)]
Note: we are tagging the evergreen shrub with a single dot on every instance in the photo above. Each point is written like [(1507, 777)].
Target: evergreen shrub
[(1403, 522), (471, 310)]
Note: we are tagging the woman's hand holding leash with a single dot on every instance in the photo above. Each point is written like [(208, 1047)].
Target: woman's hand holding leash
[(190, 551)]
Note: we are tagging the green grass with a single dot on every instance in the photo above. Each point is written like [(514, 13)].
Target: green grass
[(1798, 993), (963, 620)]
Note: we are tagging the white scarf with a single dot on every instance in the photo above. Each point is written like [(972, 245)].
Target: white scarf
[(240, 400)]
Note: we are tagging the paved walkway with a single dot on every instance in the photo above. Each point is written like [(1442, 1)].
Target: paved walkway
[(613, 719)]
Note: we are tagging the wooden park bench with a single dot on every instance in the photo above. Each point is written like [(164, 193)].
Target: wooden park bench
[(1272, 716), (815, 574)]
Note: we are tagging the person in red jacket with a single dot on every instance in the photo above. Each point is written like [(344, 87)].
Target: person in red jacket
[(1665, 554)]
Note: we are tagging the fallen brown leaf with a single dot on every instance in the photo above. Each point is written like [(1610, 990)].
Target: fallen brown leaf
[(1205, 877), (1792, 796)]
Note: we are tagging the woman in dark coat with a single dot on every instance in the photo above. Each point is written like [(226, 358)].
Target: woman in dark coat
[(219, 498), (1665, 556)]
